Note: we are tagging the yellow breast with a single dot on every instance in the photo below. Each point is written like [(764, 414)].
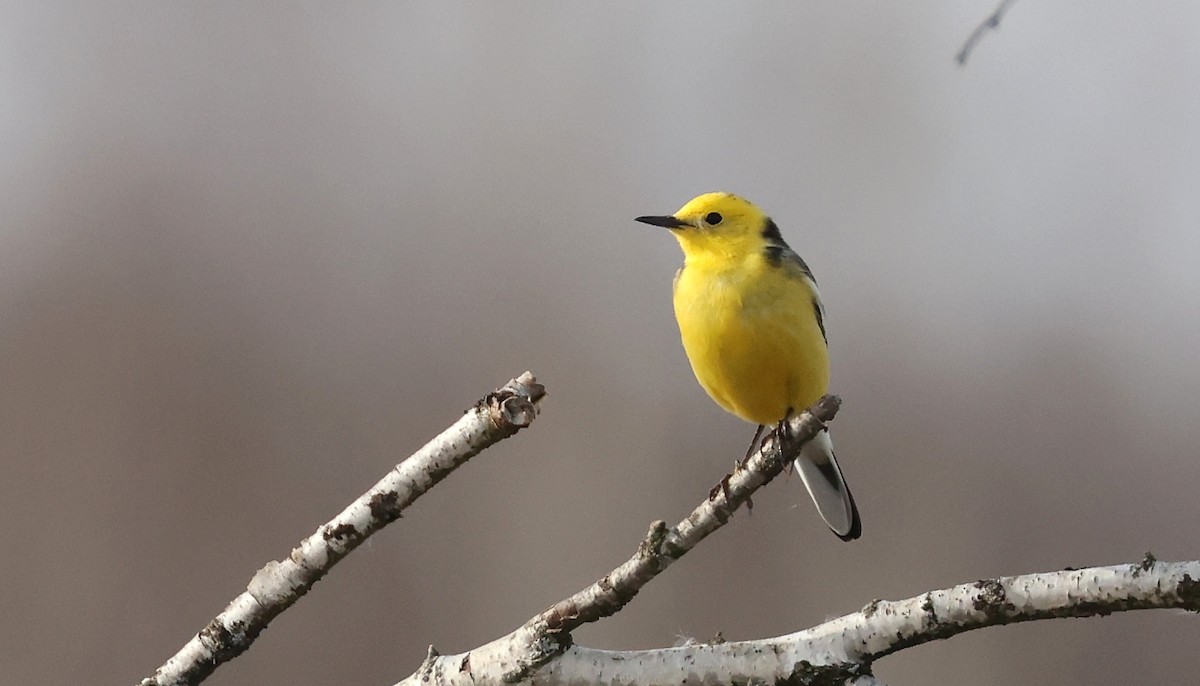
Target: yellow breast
[(751, 332)]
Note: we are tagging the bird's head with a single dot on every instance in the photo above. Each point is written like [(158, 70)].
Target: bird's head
[(715, 224)]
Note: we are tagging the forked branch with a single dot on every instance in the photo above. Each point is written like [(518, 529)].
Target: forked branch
[(845, 649), (539, 646)]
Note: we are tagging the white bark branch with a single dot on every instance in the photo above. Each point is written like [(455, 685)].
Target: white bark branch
[(281, 583), (522, 654), (841, 650)]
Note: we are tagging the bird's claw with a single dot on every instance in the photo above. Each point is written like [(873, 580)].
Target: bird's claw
[(722, 487)]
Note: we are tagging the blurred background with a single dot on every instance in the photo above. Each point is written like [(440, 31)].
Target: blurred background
[(253, 254)]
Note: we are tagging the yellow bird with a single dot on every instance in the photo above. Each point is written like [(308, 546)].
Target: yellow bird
[(753, 328)]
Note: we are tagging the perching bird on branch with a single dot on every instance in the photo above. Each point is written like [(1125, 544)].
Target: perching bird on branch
[(753, 328)]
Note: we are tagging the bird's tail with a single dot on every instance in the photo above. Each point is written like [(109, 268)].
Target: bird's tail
[(823, 478)]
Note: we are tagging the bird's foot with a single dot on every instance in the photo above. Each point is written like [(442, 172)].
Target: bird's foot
[(755, 446), (722, 487)]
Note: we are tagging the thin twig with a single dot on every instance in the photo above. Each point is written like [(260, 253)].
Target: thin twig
[(281, 583), (846, 648), (519, 655), (990, 24)]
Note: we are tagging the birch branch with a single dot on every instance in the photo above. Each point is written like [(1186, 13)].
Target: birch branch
[(992, 23), (845, 649), (281, 583), (533, 648)]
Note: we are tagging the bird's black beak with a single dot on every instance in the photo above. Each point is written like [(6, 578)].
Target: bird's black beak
[(668, 222)]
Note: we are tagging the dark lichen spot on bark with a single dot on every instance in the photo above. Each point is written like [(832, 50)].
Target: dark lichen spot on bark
[(215, 634), (1145, 565), (804, 673), (929, 610), (870, 608), (1188, 591), (340, 532), (385, 507), (992, 600), (490, 399), (225, 644)]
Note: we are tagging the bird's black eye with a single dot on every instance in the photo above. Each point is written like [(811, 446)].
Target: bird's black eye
[(713, 218)]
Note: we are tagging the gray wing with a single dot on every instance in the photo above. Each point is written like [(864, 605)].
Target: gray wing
[(779, 254)]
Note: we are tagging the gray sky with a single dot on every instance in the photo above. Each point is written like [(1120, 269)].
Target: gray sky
[(252, 254)]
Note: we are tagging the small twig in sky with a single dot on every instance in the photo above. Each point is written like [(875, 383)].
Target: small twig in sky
[(989, 24)]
